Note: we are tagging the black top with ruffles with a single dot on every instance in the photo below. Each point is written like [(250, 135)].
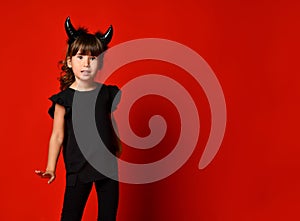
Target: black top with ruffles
[(77, 167)]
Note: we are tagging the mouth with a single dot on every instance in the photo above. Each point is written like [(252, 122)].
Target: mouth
[(85, 72)]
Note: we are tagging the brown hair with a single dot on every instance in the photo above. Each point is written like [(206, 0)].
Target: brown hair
[(87, 44)]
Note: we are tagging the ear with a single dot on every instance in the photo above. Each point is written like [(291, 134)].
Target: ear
[(69, 62)]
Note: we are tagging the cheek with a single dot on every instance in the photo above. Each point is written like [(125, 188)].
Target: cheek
[(99, 64), (95, 65)]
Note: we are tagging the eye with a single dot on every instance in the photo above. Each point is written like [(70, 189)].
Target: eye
[(79, 57), (93, 58)]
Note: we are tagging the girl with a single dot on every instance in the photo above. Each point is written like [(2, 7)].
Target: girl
[(81, 64)]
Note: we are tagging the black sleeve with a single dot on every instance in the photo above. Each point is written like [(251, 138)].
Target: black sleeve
[(114, 97), (62, 99)]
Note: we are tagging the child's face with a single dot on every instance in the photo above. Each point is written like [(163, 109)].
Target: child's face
[(85, 67)]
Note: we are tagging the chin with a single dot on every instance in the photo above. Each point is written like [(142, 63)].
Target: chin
[(86, 77)]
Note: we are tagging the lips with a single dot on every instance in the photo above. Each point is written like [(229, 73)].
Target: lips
[(85, 72)]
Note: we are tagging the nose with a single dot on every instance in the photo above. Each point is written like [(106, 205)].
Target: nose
[(86, 61)]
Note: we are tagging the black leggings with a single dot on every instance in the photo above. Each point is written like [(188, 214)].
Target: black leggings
[(76, 197)]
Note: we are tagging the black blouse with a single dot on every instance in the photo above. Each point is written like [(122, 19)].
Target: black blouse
[(77, 167)]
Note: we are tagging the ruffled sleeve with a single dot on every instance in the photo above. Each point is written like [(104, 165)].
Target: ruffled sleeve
[(63, 99), (114, 97)]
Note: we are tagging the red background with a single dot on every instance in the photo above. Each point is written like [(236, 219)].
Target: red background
[(252, 46)]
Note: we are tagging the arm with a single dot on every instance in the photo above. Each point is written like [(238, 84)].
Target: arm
[(55, 143)]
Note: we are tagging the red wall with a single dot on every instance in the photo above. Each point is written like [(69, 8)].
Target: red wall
[(252, 46)]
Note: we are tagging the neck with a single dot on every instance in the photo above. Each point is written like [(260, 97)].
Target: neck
[(83, 85)]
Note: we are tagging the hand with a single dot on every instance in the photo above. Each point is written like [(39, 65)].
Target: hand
[(47, 174)]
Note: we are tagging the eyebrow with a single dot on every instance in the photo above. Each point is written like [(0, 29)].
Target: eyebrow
[(80, 53)]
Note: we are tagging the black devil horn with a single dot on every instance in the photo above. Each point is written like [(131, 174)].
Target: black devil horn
[(106, 38), (71, 31)]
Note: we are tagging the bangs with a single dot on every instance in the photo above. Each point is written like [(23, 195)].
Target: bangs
[(87, 45)]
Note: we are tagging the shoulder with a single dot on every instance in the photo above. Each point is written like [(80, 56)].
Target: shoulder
[(113, 90), (63, 98), (114, 94), (65, 93), (109, 86), (110, 91)]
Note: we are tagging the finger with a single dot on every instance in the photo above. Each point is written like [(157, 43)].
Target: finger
[(47, 175), (51, 179), (39, 172)]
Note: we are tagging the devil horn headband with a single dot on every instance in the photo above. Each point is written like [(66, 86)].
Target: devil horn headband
[(73, 33)]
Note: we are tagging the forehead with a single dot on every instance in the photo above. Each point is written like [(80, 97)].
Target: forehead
[(83, 52), (93, 50)]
